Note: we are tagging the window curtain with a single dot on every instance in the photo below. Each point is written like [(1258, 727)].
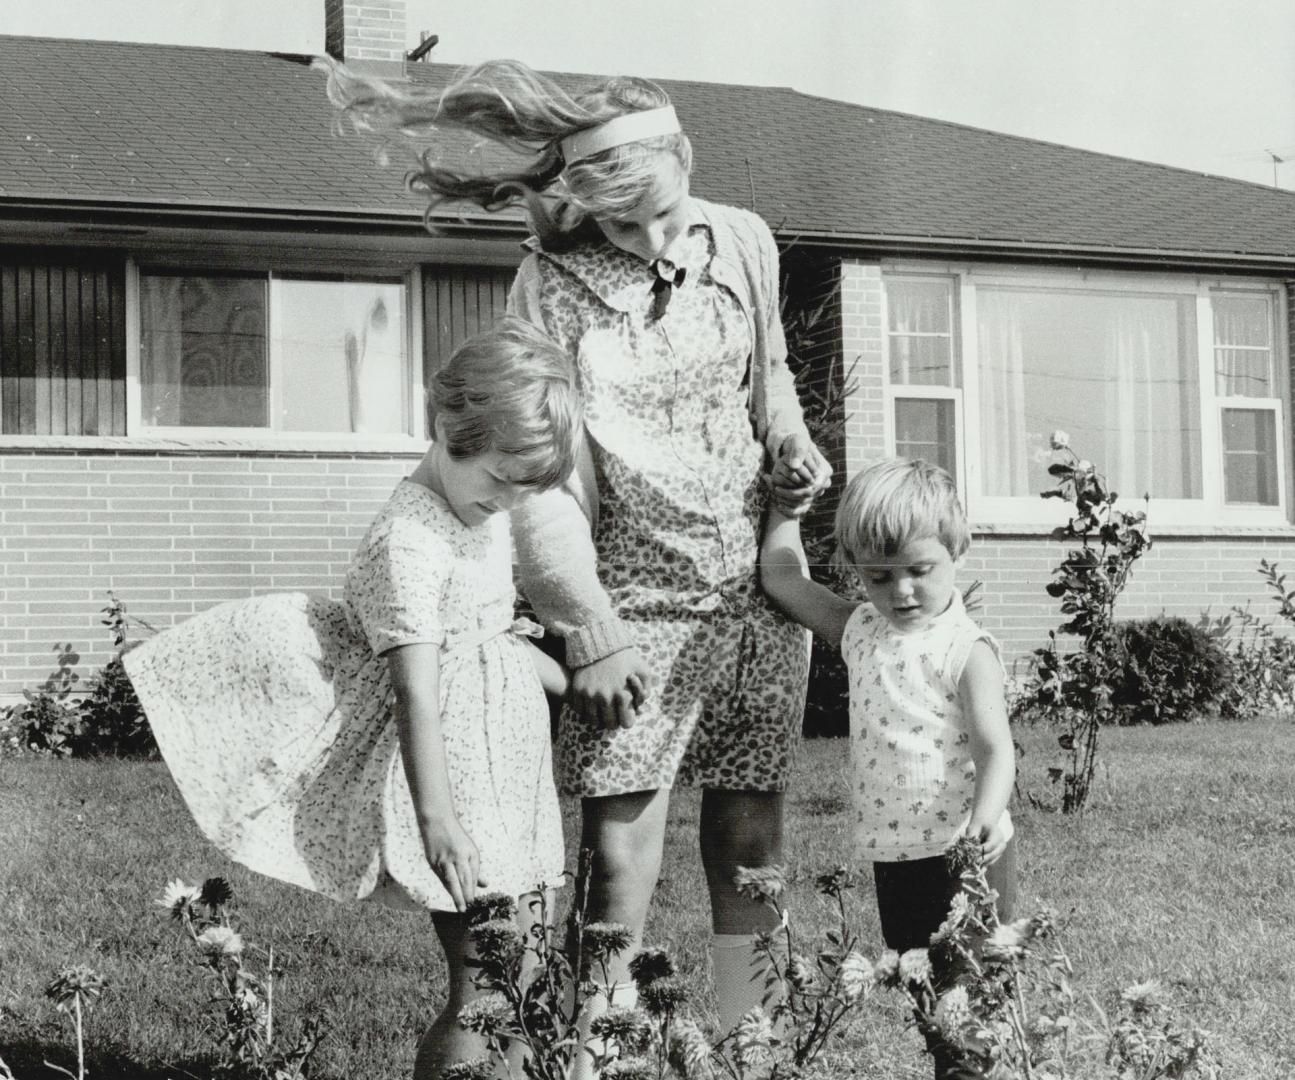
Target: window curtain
[(1002, 394)]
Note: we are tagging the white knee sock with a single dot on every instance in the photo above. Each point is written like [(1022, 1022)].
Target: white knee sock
[(623, 995), (740, 974)]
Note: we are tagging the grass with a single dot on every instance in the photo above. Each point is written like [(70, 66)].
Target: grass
[(1182, 870)]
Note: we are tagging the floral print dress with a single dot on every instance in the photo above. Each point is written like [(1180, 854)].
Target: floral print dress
[(274, 715)]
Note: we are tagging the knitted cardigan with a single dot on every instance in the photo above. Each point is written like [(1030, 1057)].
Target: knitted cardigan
[(556, 558)]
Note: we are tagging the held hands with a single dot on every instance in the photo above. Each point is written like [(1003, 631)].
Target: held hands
[(454, 857), (611, 691), (800, 473)]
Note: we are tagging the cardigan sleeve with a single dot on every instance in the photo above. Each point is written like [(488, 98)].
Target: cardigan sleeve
[(557, 564)]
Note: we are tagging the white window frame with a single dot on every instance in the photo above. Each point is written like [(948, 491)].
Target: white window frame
[(410, 438), (954, 392), (1035, 512)]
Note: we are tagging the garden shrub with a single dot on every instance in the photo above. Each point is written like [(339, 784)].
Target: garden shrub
[(1172, 671)]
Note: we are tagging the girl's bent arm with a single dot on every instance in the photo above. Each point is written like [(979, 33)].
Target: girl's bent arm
[(414, 671), (553, 676), (784, 576), (980, 689)]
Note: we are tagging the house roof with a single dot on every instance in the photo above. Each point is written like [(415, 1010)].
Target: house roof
[(175, 129)]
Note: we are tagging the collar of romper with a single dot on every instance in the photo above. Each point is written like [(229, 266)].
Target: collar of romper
[(588, 264)]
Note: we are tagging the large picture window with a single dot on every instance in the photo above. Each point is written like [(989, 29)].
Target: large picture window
[(271, 352), (1175, 387)]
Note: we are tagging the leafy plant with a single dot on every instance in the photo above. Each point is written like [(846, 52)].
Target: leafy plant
[(253, 1048), (47, 720), (1173, 671), (1077, 687)]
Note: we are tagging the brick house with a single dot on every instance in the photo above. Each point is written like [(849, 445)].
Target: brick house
[(217, 317)]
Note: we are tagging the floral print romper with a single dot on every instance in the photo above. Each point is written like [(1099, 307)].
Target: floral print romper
[(678, 531)]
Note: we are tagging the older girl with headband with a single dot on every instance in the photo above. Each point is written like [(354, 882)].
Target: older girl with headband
[(646, 561)]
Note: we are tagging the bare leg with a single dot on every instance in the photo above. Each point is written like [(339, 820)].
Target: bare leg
[(445, 1042)]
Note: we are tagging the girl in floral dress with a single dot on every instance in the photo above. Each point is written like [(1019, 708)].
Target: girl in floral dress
[(395, 745), (645, 561)]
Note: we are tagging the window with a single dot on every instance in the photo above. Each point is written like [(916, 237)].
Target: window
[(923, 368), (274, 352), (1250, 407), (1173, 386)]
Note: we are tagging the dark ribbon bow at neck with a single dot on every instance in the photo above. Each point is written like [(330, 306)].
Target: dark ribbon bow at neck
[(666, 275)]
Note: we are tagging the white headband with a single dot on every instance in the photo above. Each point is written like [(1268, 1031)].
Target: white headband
[(632, 127)]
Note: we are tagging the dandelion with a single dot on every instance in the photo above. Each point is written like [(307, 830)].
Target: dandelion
[(605, 939), (762, 883), (752, 1038), (959, 913), (664, 995), (179, 898), (497, 939), (953, 1012), (690, 1053), (488, 1016), (648, 965), (1143, 997), (886, 970), (854, 977), (216, 892), (75, 986), (630, 1028), (489, 906), (220, 941), (915, 967), (1059, 440)]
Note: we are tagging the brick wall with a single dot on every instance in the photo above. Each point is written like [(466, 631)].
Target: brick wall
[(171, 535), (861, 350), (364, 29)]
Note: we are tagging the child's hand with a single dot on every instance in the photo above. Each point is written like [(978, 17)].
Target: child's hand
[(993, 842), (454, 857), (800, 473), (612, 690)]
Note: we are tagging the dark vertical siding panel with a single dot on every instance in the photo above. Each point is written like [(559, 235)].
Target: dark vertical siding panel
[(57, 352), (75, 356), (26, 353), (117, 349), (103, 351), (40, 276), (89, 359), (9, 419)]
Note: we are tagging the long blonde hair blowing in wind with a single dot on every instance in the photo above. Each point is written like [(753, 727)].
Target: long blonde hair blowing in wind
[(519, 108)]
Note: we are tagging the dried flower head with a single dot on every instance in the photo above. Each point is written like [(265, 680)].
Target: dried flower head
[(1059, 440), (953, 1012), (179, 897), (216, 892), (629, 1028), (854, 978), (915, 967), (648, 965), (837, 882), (488, 1016), (664, 995), (964, 856), (762, 883), (605, 939), (491, 905), (1007, 941), (690, 1052), (802, 974), (1043, 922), (959, 913), (886, 969), (1143, 997), (220, 941), (753, 1038), (74, 984)]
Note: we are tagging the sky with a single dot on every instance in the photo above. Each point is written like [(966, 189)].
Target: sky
[(1207, 85)]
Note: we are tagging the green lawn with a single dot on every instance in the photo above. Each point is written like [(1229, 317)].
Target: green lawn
[(1180, 870)]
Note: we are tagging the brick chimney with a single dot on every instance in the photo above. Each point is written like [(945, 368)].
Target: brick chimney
[(364, 29)]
